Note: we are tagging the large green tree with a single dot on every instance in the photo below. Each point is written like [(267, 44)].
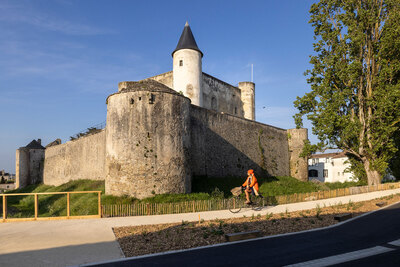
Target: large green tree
[(354, 103)]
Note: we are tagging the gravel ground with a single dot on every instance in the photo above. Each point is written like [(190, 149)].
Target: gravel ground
[(147, 239)]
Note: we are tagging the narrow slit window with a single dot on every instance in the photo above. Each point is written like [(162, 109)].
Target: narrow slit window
[(180, 63)]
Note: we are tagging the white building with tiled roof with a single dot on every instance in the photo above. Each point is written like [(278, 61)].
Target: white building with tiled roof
[(329, 167)]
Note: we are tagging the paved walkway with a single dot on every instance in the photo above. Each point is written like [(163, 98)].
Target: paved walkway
[(72, 242)]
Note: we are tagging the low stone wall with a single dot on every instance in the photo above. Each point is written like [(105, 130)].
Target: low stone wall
[(83, 158), (225, 145)]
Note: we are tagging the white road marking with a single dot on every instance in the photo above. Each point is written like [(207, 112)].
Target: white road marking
[(341, 258), (395, 243)]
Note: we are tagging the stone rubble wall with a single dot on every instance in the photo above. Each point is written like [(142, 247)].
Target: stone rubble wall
[(29, 166), (225, 145), (83, 158), (298, 165), (221, 96), (147, 143)]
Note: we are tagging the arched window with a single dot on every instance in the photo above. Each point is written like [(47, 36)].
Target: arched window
[(312, 173)]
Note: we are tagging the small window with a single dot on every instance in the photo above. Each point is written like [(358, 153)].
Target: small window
[(235, 110), (180, 63), (325, 173), (132, 101), (152, 99), (140, 98)]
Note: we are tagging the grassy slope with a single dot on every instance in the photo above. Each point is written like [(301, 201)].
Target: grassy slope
[(203, 188), (56, 205), (271, 186)]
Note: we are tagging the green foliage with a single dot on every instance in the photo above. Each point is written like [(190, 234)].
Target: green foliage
[(357, 168), (394, 163), (338, 185), (354, 103), (309, 148)]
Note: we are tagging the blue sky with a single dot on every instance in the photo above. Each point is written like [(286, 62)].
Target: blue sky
[(60, 59)]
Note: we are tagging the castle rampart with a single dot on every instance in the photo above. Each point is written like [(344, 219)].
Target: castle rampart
[(163, 130), (248, 99), (225, 145), (221, 96), (298, 165), (83, 158), (29, 164), (147, 141)]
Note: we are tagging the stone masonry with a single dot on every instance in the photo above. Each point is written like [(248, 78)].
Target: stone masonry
[(163, 130)]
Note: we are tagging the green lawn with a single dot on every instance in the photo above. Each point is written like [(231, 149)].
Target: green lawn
[(203, 188), (56, 205)]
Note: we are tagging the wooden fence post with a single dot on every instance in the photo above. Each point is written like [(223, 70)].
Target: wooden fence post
[(68, 209), (4, 208), (36, 206), (99, 207)]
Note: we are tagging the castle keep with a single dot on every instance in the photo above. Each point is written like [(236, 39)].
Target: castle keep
[(163, 130)]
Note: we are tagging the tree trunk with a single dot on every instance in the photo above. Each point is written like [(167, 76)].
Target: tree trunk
[(374, 178)]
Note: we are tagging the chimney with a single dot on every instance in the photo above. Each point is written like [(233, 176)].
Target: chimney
[(39, 141)]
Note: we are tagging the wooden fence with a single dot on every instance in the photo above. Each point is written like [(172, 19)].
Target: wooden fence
[(139, 209), (36, 206)]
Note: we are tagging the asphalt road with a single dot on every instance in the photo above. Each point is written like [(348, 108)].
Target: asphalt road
[(363, 236)]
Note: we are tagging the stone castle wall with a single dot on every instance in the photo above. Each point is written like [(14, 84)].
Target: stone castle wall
[(29, 166), (225, 145), (164, 78), (298, 165), (217, 95), (221, 96), (83, 158), (148, 142), (155, 141)]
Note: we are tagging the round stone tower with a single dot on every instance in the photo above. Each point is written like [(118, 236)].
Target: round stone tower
[(248, 96), (187, 67), (147, 140)]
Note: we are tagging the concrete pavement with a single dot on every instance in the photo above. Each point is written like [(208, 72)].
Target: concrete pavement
[(72, 242)]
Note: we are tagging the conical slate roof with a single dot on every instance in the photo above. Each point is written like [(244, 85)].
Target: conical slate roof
[(187, 40)]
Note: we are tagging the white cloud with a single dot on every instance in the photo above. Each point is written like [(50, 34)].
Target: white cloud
[(28, 15)]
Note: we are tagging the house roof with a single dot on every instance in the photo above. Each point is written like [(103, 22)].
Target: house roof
[(34, 145), (187, 40), (329, 155)]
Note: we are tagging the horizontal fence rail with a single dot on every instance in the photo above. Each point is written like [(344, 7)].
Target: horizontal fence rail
[(140, 209), (36, 206)]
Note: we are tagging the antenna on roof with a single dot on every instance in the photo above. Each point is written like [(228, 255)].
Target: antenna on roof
[(251, 72)]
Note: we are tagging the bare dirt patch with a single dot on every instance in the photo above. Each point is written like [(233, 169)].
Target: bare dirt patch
[(146, 239)]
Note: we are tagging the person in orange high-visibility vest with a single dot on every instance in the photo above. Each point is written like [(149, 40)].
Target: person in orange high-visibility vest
[(251, 185)]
